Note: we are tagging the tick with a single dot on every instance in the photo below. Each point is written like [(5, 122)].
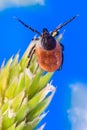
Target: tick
[(48, 50)]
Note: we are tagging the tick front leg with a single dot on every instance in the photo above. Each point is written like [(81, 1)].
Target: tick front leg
[(55, 33)]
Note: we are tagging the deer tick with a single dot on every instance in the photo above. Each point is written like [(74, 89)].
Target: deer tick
[(48, 50)]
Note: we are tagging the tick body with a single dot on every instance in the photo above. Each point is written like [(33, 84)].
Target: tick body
[(49, 52), (49, 60)]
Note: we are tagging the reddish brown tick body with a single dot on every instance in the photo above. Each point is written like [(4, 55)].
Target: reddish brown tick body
[(49, 60)]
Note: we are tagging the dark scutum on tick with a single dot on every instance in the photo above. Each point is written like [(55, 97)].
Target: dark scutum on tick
[(48, 42)]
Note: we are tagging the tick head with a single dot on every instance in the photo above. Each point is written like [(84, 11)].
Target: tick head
[(45, 32)]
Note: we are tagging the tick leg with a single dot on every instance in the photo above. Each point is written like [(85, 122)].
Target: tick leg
[(27, 26), (62, 46), (60, 68), (55, 33), (33, 47), (30, 55), (62, 25)]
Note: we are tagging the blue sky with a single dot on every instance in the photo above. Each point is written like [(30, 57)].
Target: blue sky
[(66, 108)]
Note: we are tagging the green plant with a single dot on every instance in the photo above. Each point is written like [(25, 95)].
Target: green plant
[(24, 93)]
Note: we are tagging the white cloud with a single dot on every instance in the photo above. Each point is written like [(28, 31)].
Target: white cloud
[(78, 111), (18, 3)]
